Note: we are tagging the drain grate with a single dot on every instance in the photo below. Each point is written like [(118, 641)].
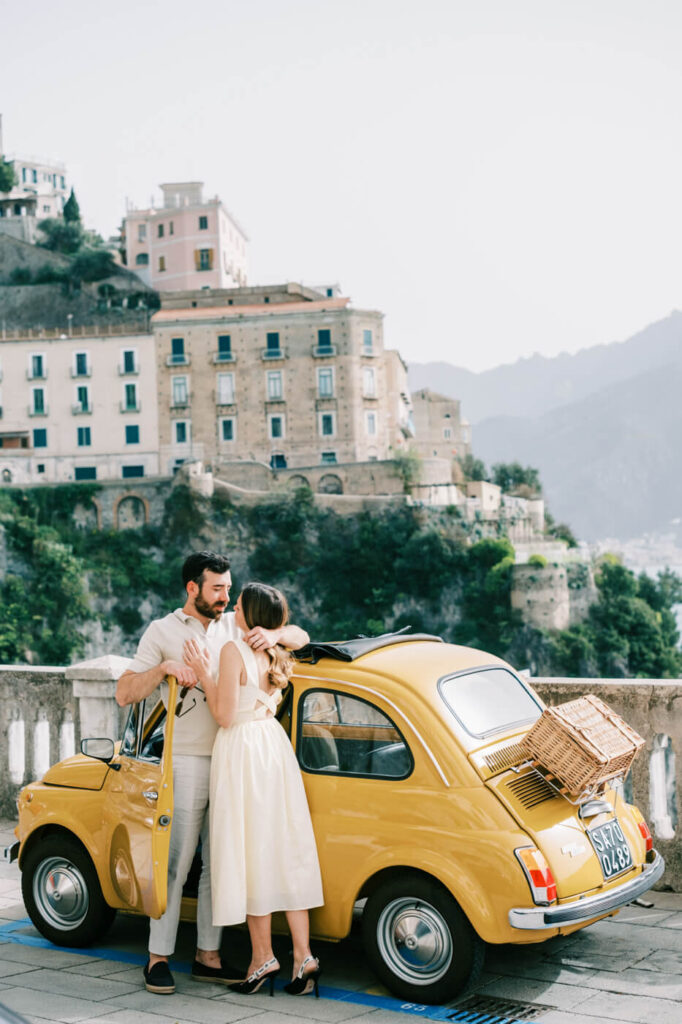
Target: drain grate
[(486, 1010)]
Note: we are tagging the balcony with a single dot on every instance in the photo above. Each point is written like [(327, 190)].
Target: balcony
[(323, 351), (81, 409), (273, 353), (83, 374), (122, 372), (129, 406), (178, 360), (180, 403), (30, 375), (223, 357), (32, 411)]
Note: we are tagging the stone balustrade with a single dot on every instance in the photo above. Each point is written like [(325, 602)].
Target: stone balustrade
[(45, 711)]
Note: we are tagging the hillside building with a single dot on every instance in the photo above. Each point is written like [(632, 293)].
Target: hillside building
[(40, 191), (78, 409), (187, 243), (284, 375)]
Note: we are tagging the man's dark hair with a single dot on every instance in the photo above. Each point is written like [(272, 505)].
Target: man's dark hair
[(198, 562)]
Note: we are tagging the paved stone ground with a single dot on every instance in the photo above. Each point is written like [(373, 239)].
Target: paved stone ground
[(624, 969)]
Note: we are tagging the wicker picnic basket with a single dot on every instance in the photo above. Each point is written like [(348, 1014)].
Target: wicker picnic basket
[(582, 744)]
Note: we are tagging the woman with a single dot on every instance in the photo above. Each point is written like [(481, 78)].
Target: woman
[(265, 856)]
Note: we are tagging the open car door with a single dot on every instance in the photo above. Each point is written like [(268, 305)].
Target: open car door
[(139, 806)]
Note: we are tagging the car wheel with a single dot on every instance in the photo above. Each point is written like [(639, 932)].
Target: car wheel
[(418, 941), (62, 893)]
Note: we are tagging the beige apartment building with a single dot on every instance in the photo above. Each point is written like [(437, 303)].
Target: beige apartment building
[(187, 242), (440, 431), (284, 375), (78, 408)]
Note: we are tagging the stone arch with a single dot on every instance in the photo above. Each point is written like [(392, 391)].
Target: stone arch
[(296, 481), (7, 476), (330, 483), (131, 511), (87, 516)]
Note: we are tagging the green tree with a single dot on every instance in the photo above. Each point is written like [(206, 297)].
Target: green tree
[(560, 531), (72, 213), (473, 469), (511, 476), (61, 236), (8, 178), (92, 265)]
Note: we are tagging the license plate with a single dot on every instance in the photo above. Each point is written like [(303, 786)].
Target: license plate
[(611, 847)]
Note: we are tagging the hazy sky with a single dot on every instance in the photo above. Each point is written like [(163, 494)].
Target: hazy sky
[(499, 177)]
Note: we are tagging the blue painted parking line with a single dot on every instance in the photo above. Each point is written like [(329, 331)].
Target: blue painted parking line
[(15, 931)]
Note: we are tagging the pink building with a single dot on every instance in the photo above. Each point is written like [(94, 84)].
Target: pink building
[(187, 243)]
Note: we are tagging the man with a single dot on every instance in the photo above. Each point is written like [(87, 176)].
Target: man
[(207, 581)]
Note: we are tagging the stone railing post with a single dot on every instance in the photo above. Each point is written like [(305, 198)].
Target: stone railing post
[(94, 686)]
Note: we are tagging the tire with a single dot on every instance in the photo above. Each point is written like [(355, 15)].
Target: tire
[(62, 893), (418, 941)]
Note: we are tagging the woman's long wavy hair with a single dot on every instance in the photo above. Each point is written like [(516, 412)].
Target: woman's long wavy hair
[(267, 607)]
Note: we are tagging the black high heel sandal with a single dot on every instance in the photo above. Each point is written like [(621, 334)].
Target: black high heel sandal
[(258, 978), (305, 981)]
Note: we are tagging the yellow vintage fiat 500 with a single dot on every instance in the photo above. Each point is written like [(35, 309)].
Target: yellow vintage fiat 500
[(425, 812)]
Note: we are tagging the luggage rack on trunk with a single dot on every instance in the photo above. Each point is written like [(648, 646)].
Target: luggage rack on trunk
[(593, 792)]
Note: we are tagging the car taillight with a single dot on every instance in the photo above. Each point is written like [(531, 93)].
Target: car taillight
[(646, 835), (538, 873), (644, 829)]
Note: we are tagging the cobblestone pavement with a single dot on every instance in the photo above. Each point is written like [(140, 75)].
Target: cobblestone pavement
[(627, 968)]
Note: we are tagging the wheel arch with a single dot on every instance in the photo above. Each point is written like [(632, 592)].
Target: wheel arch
[(396, 871), (47, 831), (51, 829), (453, 878)]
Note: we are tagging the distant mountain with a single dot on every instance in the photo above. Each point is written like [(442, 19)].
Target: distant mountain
[(611, 464), (604, 427), (533, 386)]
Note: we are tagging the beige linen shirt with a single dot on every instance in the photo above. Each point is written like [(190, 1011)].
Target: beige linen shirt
[(195, 726)]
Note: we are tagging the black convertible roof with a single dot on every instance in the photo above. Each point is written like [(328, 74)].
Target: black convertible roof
[(349, 650)]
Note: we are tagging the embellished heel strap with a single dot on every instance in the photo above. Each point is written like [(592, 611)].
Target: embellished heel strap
[(308, 960), (263, 969)]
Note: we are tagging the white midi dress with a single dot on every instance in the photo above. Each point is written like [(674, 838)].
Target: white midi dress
[(263, 852)]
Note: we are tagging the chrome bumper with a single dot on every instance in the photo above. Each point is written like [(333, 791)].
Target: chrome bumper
[(538, 918), (10, 853)]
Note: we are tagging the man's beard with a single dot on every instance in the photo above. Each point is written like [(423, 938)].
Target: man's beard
[(209, 611)]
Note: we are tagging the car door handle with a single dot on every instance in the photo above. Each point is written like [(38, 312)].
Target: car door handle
[(150, 794)]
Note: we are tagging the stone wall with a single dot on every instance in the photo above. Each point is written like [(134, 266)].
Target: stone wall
[(349, 478), (653, 707), (553, 596), (540, 594)]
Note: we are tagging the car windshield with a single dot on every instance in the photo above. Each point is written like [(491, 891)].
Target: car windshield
[(489, 700)]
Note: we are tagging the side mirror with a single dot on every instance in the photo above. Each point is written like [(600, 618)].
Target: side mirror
[(100, 749)]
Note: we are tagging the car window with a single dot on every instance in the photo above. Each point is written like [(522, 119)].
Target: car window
[(489, 700), (343, 735), (129, 741), (144, 730), (151, 747)]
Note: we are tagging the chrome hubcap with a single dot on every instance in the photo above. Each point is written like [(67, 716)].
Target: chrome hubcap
[(60, 893), (414, 940)]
